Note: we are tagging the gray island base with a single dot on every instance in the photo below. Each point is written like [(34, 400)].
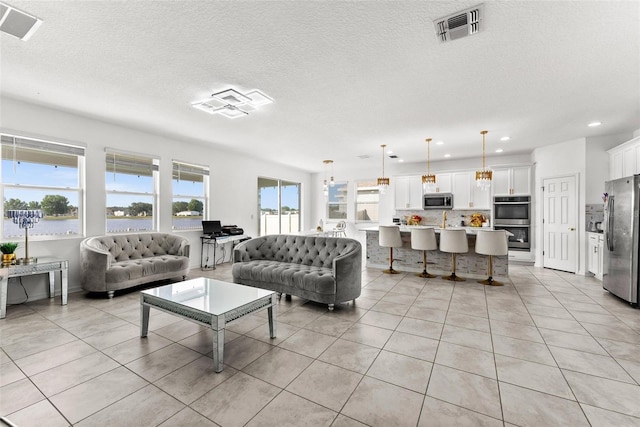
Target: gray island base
[(469, 265)]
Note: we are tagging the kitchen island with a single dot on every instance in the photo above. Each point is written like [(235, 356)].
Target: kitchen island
[(469, 265)]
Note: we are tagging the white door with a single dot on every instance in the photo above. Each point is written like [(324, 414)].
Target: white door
[(559, 228)]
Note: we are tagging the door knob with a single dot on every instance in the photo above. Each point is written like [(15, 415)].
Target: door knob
[(571, 229)]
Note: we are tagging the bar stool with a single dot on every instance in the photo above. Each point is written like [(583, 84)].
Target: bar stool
[(492, 243), (454, 242), (389, 237), (340, 230), (424, 239)]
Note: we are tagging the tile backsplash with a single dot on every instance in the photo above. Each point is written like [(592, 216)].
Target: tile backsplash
[(434, 217)]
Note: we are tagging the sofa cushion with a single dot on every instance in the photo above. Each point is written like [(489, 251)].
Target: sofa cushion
[(305, 277), (137, 268)]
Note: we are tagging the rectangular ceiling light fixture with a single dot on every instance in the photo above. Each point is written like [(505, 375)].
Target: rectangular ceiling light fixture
[(17, 23), (233, 104)]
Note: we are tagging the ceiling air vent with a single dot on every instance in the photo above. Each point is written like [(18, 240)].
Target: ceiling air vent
[(460, 24)]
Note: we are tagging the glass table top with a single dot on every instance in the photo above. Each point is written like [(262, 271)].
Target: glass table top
[(209, 295)]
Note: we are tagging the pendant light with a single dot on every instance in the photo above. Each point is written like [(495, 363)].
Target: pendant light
[(325, 187), (428, 180), (484, 176), (383, 183)]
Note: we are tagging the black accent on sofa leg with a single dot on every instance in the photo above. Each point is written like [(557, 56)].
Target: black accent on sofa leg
[(279, 296), (184, 278), (287, 297), (110, 294)]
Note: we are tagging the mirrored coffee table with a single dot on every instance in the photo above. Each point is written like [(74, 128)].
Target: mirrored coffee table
[(208, 302)]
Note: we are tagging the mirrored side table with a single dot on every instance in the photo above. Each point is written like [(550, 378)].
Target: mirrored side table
[(41, 266)]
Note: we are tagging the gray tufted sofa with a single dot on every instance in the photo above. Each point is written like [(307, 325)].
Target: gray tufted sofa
[(113, 262), (327, 270)]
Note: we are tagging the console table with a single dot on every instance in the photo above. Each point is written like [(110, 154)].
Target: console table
[(210, 241), (41, 266)]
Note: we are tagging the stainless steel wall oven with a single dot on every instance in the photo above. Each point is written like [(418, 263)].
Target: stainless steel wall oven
[(513, 213)]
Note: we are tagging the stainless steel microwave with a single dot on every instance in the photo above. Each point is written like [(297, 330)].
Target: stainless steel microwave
[(437, 201)]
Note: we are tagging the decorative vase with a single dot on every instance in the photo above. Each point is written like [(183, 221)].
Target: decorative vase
[(7, 259)]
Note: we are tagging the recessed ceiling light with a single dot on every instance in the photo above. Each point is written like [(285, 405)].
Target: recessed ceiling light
[(400, 160), (505, 138), (594, 124), (499, 150), (439, 142), (447, 155), (389, 152)]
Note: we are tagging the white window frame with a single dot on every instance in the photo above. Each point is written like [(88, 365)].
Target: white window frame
[(344, 203), (46, 145), (279, 184), (357, 203), (113, 158), (178, 167)]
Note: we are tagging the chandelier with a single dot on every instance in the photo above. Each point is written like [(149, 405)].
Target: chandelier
[(428, 180), (325, 186), (484, 176), (383, 183)]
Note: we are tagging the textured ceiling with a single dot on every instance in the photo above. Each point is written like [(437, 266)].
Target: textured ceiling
[(345, 76)]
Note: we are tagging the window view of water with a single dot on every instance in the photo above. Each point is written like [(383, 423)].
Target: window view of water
[(72, 226)]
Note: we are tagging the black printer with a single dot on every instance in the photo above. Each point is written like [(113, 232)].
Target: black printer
[(232, 230)]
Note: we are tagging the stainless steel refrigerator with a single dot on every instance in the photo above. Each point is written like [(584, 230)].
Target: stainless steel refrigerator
[(621, 223)]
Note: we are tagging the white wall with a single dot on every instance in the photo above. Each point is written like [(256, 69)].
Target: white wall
[(233, 178)]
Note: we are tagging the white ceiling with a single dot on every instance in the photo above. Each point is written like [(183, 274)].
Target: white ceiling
[(345, 76)]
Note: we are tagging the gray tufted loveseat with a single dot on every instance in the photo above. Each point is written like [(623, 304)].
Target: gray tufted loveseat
[(113, 262), (327, 270)]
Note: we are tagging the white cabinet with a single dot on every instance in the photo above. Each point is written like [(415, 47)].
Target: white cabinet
[(595, 254), (624, 160), (511, 180), (408, 192), (466, 194), (461, 190), (443, 183)]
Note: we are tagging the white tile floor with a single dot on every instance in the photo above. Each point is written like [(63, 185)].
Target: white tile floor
[(549, 348)]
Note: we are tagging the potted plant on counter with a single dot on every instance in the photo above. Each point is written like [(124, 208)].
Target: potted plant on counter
[(8, 252)]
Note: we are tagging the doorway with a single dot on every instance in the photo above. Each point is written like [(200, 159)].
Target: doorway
[(559, 224), (279, 206)]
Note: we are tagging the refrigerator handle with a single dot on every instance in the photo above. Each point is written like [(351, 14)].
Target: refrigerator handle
[(609, 229)]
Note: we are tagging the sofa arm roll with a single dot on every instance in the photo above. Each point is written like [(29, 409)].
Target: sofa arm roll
[(242, 252), (184, 248), (94, 264), (347, 270)]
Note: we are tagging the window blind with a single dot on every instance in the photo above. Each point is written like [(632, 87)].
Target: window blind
[(130, 164), (189, 172)]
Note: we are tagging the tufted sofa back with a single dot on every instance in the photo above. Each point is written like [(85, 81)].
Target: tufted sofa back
[(123, 247), (305, 250)]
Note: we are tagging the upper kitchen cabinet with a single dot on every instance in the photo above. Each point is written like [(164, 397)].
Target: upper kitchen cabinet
[(511, 180), (408, 192), (624, 160), (443, 183), (466, 194)]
